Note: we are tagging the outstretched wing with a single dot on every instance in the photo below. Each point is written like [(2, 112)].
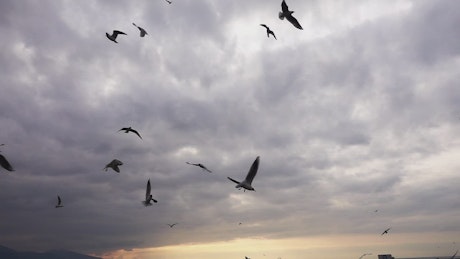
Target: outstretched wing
[(147, 191), (137, 133), (59, 200), (233, 180), (204, 168), (263, 25), (453, 257), (116, 32), (5, 164), (284, 7), (294, 21), (252, 171)]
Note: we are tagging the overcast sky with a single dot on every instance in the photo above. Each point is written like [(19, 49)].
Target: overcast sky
[(358, 112)]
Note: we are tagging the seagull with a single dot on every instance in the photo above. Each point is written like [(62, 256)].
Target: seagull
[(142, 31), (269, 31), (114, 35), (246, 184), (200, 165), (172, 225), (127, 130), (453, 257), (386, 231), (148, 196), (59, 205), (4, 163), (288, 15), (114, 165)]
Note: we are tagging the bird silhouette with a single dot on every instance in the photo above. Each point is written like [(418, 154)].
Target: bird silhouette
[(386, 231), (169, 2), (285, 13), (114, 35), (201, 166), (148, 196), (172, 225), (59, 203), (129, 129), (142, 31), (4, 162), (114, 165), (246, 183), (268, 31)]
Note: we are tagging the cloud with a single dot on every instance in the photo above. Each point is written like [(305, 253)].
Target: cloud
[(344, 115)]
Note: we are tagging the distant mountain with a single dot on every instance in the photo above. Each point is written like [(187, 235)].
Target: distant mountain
[(8, 253)]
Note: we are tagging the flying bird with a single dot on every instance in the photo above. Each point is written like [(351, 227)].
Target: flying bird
[(59, 204), (200, 165), (142, 31), (114, 165), (148, 196), (172, 225), (169, 2), (129, 129), (386, 231), (4, 162), (285, 13), (114, 35), (268, 31), (246, 184)]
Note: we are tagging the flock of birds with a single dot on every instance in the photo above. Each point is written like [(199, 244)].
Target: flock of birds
[(285, 13), (246, 184)]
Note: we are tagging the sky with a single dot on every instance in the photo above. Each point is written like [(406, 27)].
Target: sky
[(355, 119)]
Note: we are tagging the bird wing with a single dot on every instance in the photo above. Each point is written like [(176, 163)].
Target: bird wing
[(192, 164), (294, 21), (124, 129), (284, 7), (453, 257), (264, 25), (233, 180), (143, 32), (5, 164), (115, 167), (147, 191), (59, 200), (116, 32), (137, 133), (204, 168), (252, 171)]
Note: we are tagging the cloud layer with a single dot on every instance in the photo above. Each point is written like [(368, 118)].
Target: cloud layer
[(357, 112)]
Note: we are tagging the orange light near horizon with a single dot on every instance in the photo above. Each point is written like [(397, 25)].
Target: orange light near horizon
[(319, 247)]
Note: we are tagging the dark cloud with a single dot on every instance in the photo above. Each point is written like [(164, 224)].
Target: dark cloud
[(348, 116)]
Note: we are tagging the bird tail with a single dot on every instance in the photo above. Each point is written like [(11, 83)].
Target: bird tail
[(281, 15)]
